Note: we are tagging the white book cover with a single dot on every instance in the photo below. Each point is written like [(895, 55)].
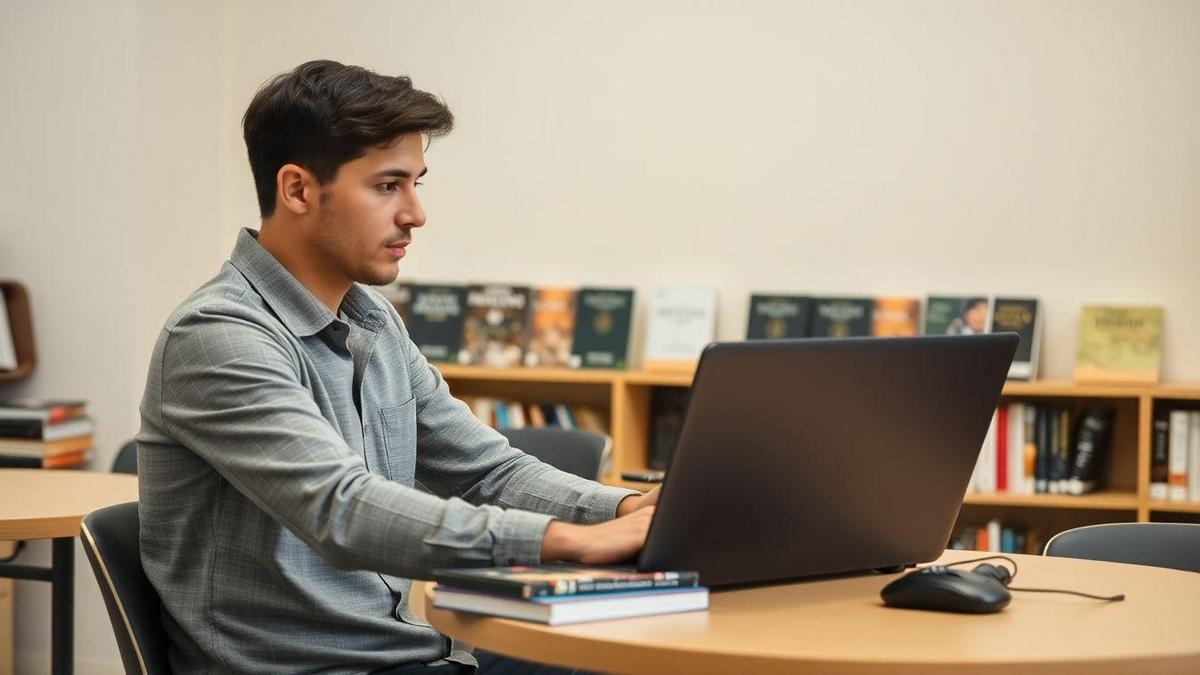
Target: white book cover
[(1194, 457), (682, 322), (993, 532), (1016, 447), (562, 610), (1177, 465), (8, 350), (987, 461)]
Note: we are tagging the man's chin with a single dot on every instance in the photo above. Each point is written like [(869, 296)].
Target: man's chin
[(379, 276)]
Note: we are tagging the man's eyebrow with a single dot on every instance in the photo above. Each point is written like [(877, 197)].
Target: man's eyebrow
[(399, 173)]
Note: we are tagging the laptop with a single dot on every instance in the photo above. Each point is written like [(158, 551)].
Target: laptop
[(802, 458)]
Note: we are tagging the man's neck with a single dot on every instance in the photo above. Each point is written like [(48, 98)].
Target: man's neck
[(327, 285)]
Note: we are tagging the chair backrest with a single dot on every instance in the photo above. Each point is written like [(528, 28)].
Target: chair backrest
[(126, 461), (572, 450), (1173, 545), (110, 540)]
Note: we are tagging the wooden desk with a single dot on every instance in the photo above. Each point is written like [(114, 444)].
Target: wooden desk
[(39, 504), (840, 626)]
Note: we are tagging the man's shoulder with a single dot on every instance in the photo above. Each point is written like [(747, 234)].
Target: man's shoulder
[(226, 298)]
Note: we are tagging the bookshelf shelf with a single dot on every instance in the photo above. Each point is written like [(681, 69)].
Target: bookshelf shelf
[(1175, 507), (1112, 500), (626, 394)]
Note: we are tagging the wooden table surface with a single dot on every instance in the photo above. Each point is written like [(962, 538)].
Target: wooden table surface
[(44, 504), (841, 626)]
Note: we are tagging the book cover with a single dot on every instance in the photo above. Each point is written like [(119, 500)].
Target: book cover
[(1020, 316), (1119, 345), (1177, 456), (399, 294), (1091, 447), (961, 315), (1042, 453), (681, 323), (551, 326), (841, 317), (434, 318), (1016, 448), (1160, 444), (560, 579), (602, 320), (495, 324), (896, 317), (777, 317)]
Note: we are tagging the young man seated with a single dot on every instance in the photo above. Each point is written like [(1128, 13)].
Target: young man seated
[(287, 417)]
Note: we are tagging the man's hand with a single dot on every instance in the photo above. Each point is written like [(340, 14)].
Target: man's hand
[(635, 502), (615, 541)]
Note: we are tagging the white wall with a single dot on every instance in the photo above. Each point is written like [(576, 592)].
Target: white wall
[(1046, 148), (109, 217), (822, 147)]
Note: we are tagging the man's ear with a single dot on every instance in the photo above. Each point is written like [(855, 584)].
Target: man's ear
[(296, 189)]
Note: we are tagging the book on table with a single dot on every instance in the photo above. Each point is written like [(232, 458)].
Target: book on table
[(564, 594)]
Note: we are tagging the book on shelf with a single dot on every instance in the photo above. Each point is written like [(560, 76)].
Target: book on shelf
[(8, 347), (1194, 457), (68, 460), (494, 326), (1119, 345), (434, 318), (1160, 449), (995, 536), (1091, 446), (778, 317), (38, 430), (47, 411), (896, 317), (1177, 455), (1020, 316), (504, 414), (561, 610), (958, 315), (602, 320), (39, 449), (536, 581), (841, 317), (551, 326), (681, 323)]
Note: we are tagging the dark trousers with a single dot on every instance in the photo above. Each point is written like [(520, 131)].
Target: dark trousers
[(489, 664)]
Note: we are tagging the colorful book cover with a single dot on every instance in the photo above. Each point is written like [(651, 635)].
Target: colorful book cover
[(841, 317), (434, 319), (1020, 316), (681, 323), (969, 315), (495, 324), (561, 579), (1119, 345), (896, 317), (602, 320), (777, 317), (551, 327)]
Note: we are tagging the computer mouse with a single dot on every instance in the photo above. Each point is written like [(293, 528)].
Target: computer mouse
[(943, 589)]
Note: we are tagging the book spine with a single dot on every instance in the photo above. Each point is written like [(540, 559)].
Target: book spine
[(547, 589), (1091, 444), (1029, 460), (1043, 450), (23, 429), (1002, 449), (1159, 457), (1194, 457), (1062, 462), (1177, 477)]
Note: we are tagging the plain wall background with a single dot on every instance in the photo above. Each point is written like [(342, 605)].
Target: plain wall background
[(1049, 149)]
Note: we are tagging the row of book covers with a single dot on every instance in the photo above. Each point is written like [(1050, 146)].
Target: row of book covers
[(1044, 449), (44, 434), (1175, 455), (506, 326), (997, 537)]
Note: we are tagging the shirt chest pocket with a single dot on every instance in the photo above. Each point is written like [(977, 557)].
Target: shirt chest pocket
[(399, 443)]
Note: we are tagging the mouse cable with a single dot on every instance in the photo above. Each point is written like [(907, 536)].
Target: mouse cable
[(1010, 561)]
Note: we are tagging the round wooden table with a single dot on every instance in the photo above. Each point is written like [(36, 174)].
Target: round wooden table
[(841, 626), (40, 504)]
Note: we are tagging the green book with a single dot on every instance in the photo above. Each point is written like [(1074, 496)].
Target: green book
[(1119, 345)]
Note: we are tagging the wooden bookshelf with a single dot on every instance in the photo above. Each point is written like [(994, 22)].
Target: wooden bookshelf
[(20, 321), (625, 396)]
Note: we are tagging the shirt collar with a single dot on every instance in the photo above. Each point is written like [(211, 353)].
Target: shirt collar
[(294, 304)]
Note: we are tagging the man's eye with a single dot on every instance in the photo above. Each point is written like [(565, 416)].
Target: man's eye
[(387, 187), (418, 184)]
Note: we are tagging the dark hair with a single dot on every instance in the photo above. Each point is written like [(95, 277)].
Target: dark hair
[(323, 114)]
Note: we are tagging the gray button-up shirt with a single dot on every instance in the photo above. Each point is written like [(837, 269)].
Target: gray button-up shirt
[(276, 462)]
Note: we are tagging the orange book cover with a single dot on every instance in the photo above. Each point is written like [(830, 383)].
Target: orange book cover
[(550, 328), (895, 317)]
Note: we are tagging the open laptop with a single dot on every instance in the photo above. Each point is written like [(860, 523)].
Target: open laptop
[(813, 457)]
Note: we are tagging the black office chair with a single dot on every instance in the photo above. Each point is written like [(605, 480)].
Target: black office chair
[(1173, 545), (126, 461), (572, 450), (110, 540)]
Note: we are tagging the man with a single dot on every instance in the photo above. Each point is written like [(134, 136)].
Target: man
[(287, 417)]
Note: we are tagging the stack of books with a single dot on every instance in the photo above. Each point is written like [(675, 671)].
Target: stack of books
[(44, 434), (564, 594)]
